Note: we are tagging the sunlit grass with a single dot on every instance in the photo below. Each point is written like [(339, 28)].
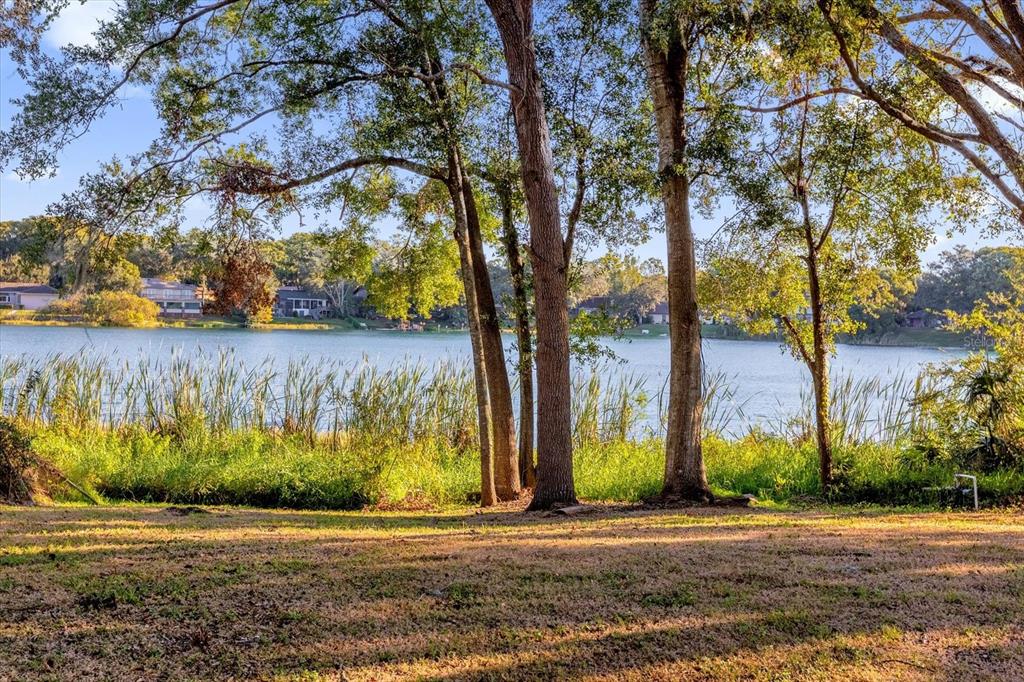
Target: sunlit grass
[(266, 469), (140, 592)]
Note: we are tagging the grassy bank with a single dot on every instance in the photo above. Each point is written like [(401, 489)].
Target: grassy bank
[(144, 593), (263, 469), (210, 429)]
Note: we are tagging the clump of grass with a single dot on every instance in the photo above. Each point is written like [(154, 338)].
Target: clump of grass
[(620, 470), (187, 396), (108, 592), (256, 468), (608, 406)]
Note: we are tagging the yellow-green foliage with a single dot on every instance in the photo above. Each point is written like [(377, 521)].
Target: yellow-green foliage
[(66, 306), (266, 469), (119, 309), (977, 415)]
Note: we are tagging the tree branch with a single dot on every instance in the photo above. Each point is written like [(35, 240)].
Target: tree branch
[(349, 164), (789, 104), (797, 341), (926, 130)]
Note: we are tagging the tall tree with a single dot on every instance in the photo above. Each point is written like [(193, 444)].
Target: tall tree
[(689, 47), (555, 484), (306, 93), (836, 201), (519, 306)]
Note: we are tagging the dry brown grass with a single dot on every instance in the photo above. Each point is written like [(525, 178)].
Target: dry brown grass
[(140, 593)]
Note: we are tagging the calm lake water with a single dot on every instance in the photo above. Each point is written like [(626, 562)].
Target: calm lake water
[(764, 379)]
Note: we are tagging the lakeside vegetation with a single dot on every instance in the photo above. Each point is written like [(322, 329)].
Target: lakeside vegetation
[(922, 338), (256, 468), (623, 290), (209, 429)]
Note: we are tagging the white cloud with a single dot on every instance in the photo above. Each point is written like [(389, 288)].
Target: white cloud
[(131, 91), (77, 22), (49, 174)]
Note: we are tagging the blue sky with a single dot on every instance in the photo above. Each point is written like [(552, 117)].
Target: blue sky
[(129, 129)]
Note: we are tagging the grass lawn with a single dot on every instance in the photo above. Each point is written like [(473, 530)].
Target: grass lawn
[(140, 592)]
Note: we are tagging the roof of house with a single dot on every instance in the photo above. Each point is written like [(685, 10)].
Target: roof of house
[(660, 309), (26, 288), (154, 283), (289, 293), (594, 303)]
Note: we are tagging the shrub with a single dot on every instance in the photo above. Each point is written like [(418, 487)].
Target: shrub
[(23, 477), (120, 309), (976, 417), (15, 460), (66, 306)]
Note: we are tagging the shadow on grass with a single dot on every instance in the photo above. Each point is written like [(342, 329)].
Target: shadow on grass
[(621, 593)]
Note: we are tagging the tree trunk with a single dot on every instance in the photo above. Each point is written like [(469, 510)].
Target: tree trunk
[(685, 476), (488, 494), (819, 369), (555, 485), (503, 423), (81, 276), (517, 271), (82, 258), (498, 456)]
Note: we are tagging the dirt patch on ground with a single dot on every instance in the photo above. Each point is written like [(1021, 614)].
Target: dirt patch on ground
[(139, 593)]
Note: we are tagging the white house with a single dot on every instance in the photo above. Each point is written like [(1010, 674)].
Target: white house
[(173, 298), (659, 314), (26, 296)]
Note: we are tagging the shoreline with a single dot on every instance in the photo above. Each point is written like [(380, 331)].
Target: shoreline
[(927, 338)]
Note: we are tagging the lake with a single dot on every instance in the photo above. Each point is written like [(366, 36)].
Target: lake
[(764, 379)]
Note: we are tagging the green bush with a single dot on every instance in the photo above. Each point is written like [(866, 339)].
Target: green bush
[(256, 468), (976, 417), (119, 309), (16, 463)]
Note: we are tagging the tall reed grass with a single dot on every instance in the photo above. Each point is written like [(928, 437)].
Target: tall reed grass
[(211, 428), (182, 395), (401, 403)]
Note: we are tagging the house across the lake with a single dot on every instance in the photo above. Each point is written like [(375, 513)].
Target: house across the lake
[(299, 302), (592, 305), (173, 298), (26, 295), (659, 314)]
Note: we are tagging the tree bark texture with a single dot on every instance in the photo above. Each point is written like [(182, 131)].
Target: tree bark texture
[(503, 423), (555, 485), (517, 272), (685, 476), (819, 357), (488, 493)]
